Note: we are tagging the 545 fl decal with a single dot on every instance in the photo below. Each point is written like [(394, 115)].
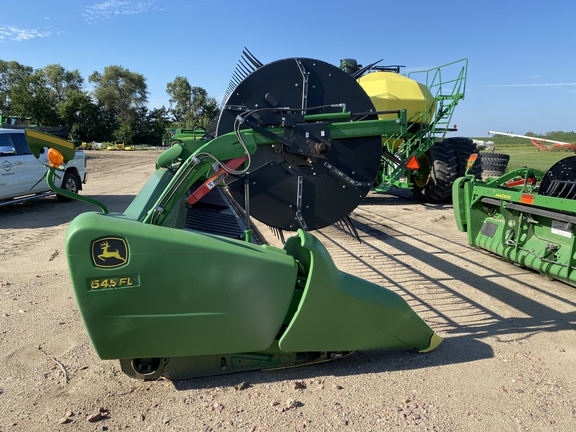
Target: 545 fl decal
[(114, 282)]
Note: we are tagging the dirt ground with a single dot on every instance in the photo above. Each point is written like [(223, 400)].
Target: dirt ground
[(507, 362)]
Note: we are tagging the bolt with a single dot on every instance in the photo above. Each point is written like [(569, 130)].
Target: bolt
[(320, 147)]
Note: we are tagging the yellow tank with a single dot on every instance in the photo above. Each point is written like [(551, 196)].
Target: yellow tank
[(391, 91)]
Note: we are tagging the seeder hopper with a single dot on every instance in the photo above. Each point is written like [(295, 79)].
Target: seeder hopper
[(298, 144)]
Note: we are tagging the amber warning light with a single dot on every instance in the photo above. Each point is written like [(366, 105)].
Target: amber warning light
[(55, 157), (471, 160)]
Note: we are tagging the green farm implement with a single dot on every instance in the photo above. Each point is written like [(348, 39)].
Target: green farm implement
[(416, 153), (526, 216), (297, 146), (177, 136)]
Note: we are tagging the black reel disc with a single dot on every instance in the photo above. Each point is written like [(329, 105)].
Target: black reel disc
[(306, 179), (560, 180)]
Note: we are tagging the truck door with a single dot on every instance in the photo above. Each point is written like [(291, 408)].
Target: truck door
[(35, 168), (12, 167)]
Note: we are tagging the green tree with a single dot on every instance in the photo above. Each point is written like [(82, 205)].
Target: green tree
[(157, 121), (11, 73), (150, 126), (114, 110), (190, 106), (569, 137), (205, 108), (180, 92), (121, 91), (61, 82), (30, 97), (84, 119)]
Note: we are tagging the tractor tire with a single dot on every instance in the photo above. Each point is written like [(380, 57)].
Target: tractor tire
[(441, 163), (464, 148), (70, 183), (494, 164)]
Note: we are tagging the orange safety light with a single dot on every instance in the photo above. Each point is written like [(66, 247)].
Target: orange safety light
[(413, 164), (55, 157), (471, 160)]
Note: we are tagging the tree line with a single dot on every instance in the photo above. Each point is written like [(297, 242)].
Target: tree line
[(563, 136), (114, 110)]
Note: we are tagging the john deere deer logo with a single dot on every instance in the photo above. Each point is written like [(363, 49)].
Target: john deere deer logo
[(109, 252)]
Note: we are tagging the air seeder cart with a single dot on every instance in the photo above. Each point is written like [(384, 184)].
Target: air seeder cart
[(417, 155)]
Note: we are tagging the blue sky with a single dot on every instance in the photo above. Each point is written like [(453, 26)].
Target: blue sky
[(522, 62)]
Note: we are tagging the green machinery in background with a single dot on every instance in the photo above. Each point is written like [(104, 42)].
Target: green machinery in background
[(416, 154), (526, 216), (297, 146), (177, 136), (14, 121)]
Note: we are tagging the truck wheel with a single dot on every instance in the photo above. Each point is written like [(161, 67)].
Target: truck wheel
[(70, 183), (464, 148), (438, 170), (494, 164)]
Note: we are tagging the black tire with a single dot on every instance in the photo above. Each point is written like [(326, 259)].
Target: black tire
[(70, 183), (464, 148), (494, 164), (436, 186)]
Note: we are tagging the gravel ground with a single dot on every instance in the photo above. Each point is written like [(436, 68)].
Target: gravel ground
[(507, 362)]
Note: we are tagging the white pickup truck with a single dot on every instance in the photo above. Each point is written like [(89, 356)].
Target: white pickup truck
[(22, 176)]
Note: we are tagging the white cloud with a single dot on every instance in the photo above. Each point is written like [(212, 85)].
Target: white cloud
[(111, 9), (13, 33)]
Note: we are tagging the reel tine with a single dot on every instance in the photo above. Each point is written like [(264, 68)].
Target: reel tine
[(250, 57), (278, 233), (247, 65), (243, 69), (347, 226), (236, 78)]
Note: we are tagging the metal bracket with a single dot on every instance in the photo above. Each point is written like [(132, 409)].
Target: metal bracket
[(304, 85), (346, 178), (299, 203), (308, 139)]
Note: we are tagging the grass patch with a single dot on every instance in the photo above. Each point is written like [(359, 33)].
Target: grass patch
[(525, 154)]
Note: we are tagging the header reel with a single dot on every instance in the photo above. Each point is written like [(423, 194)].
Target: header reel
[(309, 177)]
